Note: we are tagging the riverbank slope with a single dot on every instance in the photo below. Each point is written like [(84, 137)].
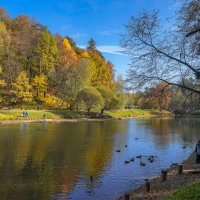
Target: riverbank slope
[(174, 182)]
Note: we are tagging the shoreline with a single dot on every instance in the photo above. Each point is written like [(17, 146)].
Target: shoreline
[(174, 182), (16, 121)]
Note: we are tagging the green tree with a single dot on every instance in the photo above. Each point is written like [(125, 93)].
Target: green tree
[(107, 96), (68, 81), (91, 44), (90, 97), (21, 90), (45, 53)]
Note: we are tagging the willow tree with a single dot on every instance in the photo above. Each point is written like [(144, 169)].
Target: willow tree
[(160, 54)]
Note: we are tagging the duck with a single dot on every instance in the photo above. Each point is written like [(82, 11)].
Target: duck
[(132, 159), (142, 164), (140, 156), (126, 145), (151, 159), (118, 150), (126, 161)]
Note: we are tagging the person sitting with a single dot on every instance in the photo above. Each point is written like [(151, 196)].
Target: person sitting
[(197, 150)]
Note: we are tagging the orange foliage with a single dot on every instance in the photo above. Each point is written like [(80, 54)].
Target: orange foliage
[(85, 55), (68, 54), (162, 95)]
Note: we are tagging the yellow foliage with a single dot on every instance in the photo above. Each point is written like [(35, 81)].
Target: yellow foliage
[(52, 101), (102, 71), (85, 54), (2, 83), (66, 44), (68, 55)]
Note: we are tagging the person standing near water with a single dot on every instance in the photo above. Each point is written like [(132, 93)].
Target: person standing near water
[(44, 117), (26, 113), (197, 150)]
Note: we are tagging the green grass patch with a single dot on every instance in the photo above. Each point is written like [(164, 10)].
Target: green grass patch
[(34, 114), (190, 192), (196, 112), (64, 114), (135, 113)]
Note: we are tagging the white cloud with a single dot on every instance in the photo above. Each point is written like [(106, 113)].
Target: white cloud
[(78, 35), (109, 49)]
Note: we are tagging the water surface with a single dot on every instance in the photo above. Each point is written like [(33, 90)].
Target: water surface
[(56, 160)]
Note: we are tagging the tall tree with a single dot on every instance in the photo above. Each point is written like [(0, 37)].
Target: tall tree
[(102, 71), (159, 54), (45, 53), (24, 35), (190, 21), (40, 84), (91, 44)]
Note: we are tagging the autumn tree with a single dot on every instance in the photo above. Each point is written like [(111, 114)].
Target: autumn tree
[(68, 55), (102, 71), (6, 53), (2, 87), (21, 90), (45, 53), (162, 96), (40, 84), (25, 32)]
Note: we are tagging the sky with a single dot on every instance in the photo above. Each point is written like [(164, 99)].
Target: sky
[(103, 20)]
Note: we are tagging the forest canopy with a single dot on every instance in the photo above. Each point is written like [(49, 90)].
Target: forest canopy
[(43, 70)]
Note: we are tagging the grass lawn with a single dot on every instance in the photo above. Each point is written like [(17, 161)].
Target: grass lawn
[(135, 113), (190, 192), (34, 114), (64, 114)]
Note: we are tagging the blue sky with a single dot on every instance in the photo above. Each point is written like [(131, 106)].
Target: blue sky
[(102, 20)]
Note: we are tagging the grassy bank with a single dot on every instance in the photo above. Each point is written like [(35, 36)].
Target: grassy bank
[(196, 112), (135, 113), (191, 191), (35, 115), (64, 114)]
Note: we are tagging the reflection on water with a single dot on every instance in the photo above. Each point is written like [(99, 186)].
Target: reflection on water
[(56, 161)]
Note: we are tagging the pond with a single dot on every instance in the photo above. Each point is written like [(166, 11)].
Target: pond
[(57, 160)]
